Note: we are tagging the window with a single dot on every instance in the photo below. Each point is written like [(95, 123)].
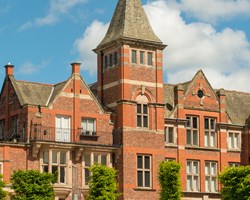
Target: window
[(142, 115), (192, 130), (142, 57), (144, 171), (150, 58), (234, 164), (115, 58), (110, 60), (88, 126), (210, 176), (134, 60), (233, 140), (105, 62), (2, 125), (169, 135), (170, 159), (193, 176), (58, 163), (90, 159), (14, 124), (210, 134)]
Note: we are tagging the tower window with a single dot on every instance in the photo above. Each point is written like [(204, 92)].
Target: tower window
[(150, 58), (134, 56), (115, 58), (142, 115), (142, 57), (105, 62), (110, 60)]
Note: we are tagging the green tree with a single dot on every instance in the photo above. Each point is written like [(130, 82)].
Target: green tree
[(103, 185), (236, 183), (32, 185), (169, 178), (2, 192)]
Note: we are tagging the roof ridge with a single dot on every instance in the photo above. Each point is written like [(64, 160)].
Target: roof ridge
[(37, 83)]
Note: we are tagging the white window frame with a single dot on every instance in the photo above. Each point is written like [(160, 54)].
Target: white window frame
[(90, 131), (231, 142), (211, 173), (234, 164), (94, 158), (190, 128), (193, 175), (144, 171), (50, 164), (209, 132)]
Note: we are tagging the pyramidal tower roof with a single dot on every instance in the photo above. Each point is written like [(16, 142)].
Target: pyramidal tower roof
[(130, 22)]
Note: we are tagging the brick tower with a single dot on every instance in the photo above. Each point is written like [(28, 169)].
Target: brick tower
[(130, 83)]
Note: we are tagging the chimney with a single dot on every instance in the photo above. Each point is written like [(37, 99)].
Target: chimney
[(75, 67), (9, 69)]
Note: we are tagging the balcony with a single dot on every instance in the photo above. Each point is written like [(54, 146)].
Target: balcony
[(52, 134)]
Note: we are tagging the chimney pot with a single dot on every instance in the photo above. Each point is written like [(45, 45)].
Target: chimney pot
[(76, 67), (9, 69)]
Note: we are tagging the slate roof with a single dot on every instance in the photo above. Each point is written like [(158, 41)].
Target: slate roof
[(130, 21), (32, 93)]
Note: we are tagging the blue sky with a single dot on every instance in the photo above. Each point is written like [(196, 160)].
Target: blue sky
[(41, 38)]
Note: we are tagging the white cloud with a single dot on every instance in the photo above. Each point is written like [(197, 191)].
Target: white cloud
[(213, 10), (56, 9), (29, 68), (224, 55), (90, 40)]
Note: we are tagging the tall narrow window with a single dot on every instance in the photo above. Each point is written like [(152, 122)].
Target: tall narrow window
[(133, 59), (210, 134), (111, 60), (192, 130), (14, 124), (193, 176), (2, 124), (169, 135), (144, 171), (116, 58), (142, 57), (210, 176), (150, 58), (105, 62), (233, 140), (142, 115), (88, 126)]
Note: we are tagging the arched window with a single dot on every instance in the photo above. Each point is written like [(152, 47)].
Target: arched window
[(142, 111)]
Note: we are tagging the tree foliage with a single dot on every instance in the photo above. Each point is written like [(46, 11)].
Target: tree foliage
[(236, 183), (103, 185), (32, 185), (2, 192), (169, 178)]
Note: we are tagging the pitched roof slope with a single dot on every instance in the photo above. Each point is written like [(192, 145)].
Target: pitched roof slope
[(130, 21), (32, 93), (238, 106)]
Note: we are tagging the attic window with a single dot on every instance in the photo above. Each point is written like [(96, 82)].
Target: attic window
[(200, 94)]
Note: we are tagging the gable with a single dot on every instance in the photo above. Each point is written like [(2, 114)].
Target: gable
[(75, 88), (200, 95)]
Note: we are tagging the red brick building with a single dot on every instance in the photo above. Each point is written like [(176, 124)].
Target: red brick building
[(129, 120)]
